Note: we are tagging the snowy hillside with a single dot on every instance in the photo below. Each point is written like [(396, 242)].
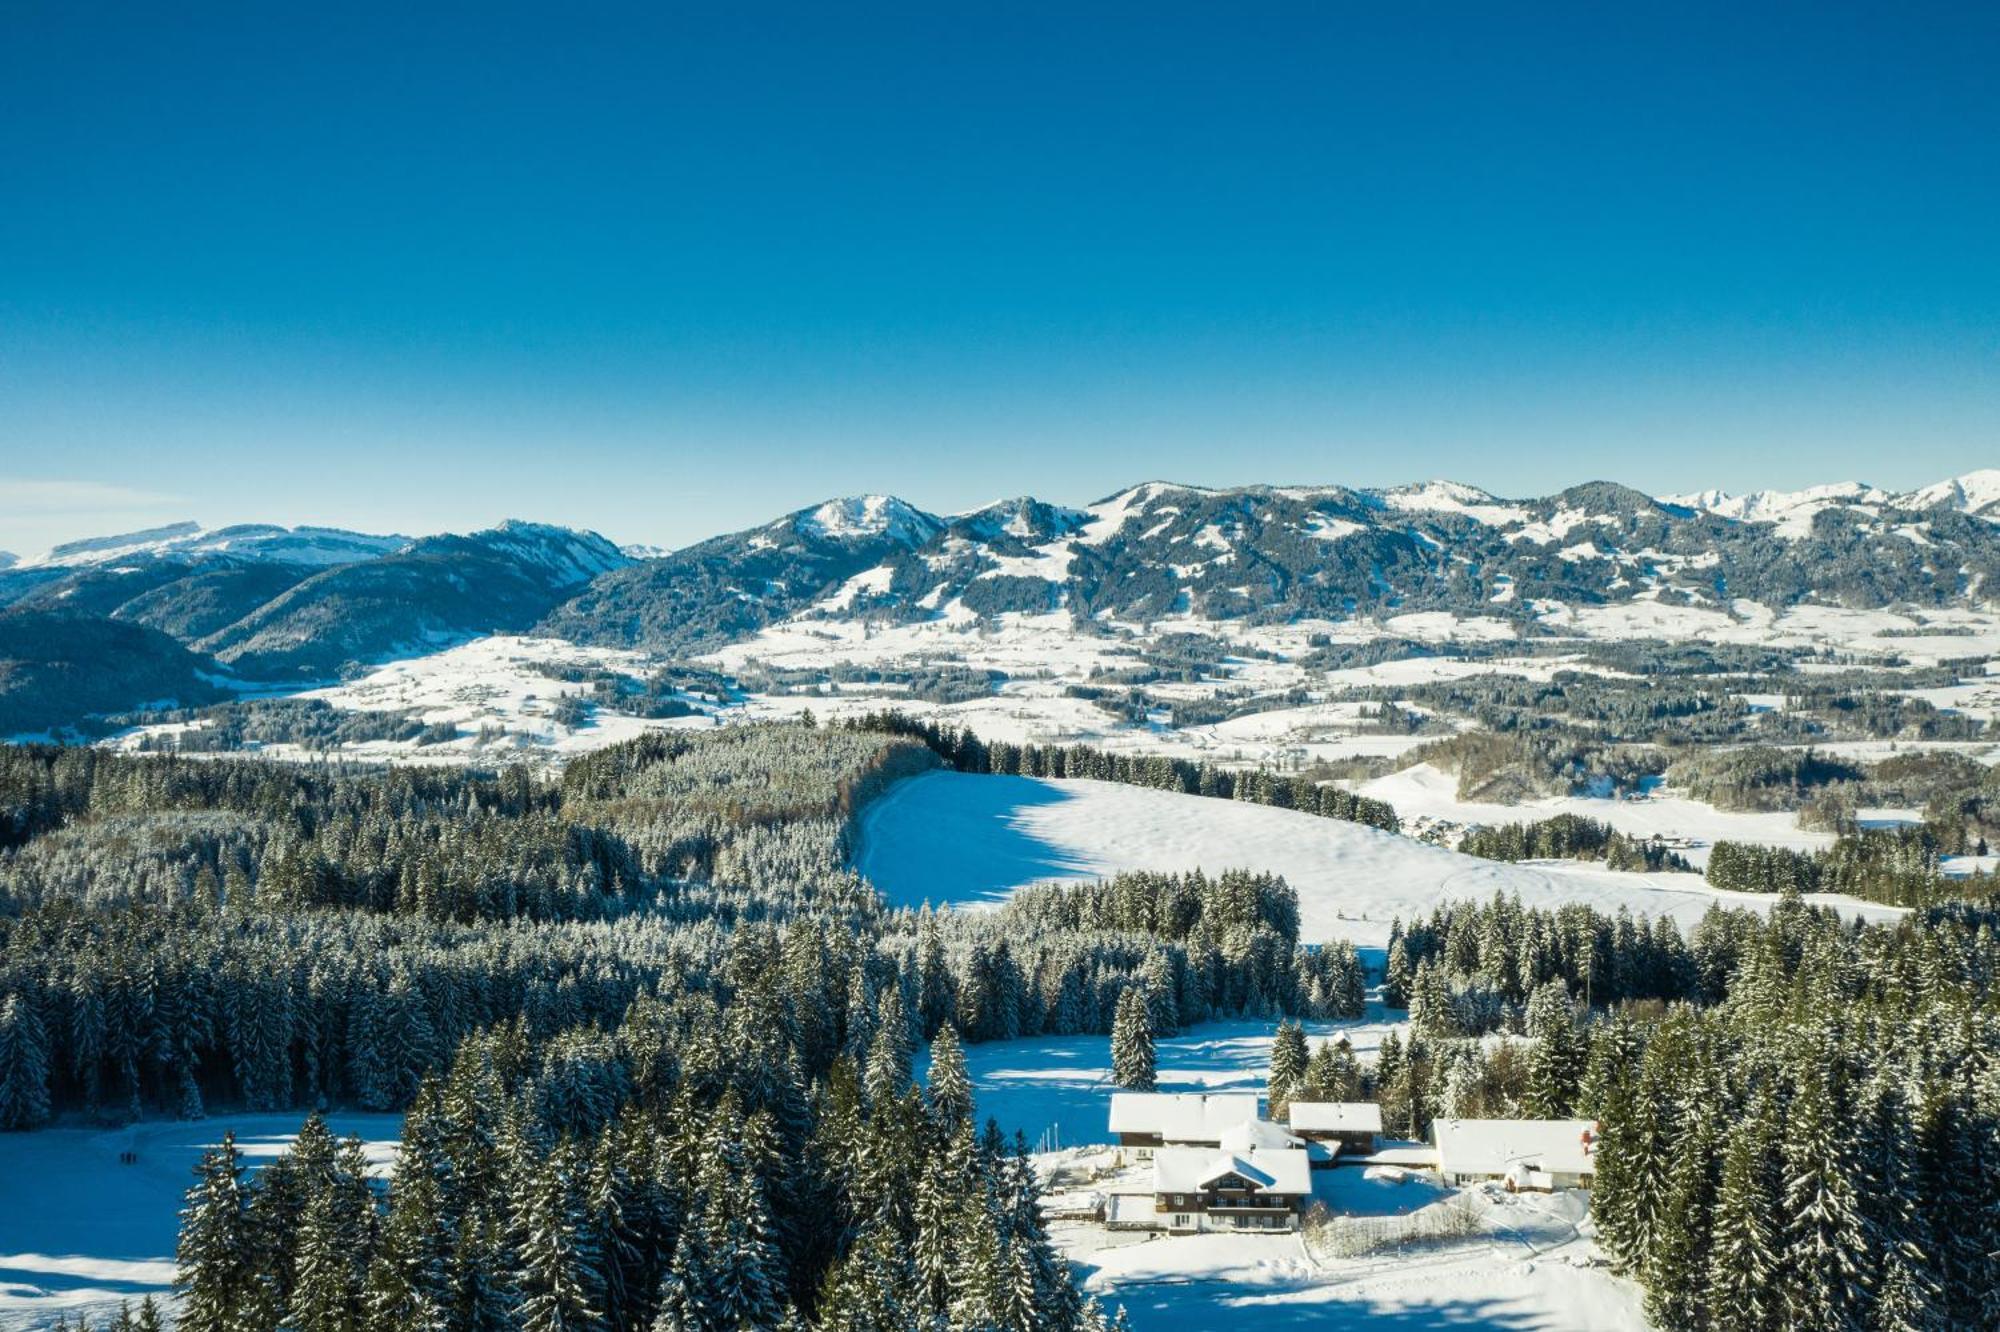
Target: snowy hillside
[(253, 541), (950, 837)]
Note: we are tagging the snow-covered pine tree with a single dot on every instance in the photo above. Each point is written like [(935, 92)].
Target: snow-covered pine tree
[(1132, 1065), (1824, 1243), (1288, 1067), (24, 1065), (1743, 1256), (948, 1085), (215, 1260)]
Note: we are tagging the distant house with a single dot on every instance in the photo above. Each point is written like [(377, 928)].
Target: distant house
[(1347, 1128), (1260, 1189), (1144, 1121), (1537, 1154)]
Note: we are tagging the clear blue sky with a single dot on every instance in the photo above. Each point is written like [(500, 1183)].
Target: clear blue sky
[(665, 270)]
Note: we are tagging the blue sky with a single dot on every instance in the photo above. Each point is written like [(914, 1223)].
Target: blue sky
[(665, 270)]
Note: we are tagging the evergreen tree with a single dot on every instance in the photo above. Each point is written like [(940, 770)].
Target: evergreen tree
[(949, 1084), (216, 1257), (1288, 1067), (1743, 1255), (1824, 1243), (24, 1065), (1132, 1042)]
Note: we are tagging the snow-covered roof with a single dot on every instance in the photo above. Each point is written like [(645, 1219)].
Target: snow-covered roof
[(1496, 1146), (1252, 1134), (1335, 1117), (1181, 1116), (1268, 1170)]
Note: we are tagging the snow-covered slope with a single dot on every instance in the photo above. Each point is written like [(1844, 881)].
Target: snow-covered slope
[(1451, 497), (568, 555), (858, 517), (958, 838), (1975, 492), (1791, 512), (244, 541)]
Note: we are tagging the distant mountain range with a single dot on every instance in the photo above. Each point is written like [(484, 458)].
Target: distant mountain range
[(273, 604)]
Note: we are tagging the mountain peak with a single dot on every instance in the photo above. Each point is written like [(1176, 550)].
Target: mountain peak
[(859, 517), (575, 554), (1975, 492)]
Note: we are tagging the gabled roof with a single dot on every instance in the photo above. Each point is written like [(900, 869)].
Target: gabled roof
[(1181, 1116), (1497, 1146), (1335, 1117), (1254, 1133), (1281, 1170)]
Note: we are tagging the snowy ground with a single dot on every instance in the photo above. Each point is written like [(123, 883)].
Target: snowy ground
[(1498, 1282), (79, 1231), (1056, 1090), (1517, 1275), (1422, 790), (957, 838), (495, 683)]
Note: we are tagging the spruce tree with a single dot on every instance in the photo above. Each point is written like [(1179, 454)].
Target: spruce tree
[(1743, 1254), (1824, 1243), (1288, 1067), (1132, 1064), (948, 1084), (216, 1257), (24, 1065)]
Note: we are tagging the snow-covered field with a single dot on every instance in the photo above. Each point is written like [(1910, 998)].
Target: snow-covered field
[(79, 1231), (1499, 1282), (1422, 790), (1517, 1275), (956, 838)]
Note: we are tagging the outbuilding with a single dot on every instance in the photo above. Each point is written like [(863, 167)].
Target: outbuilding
[(1538, 1154)]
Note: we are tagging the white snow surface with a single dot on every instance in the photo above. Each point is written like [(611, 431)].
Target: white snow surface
[(255, 541), (1453, 497), (1422, 790), (969, 840), (1975, 492), (79, 1231), (1518, 1275), (860, 516)]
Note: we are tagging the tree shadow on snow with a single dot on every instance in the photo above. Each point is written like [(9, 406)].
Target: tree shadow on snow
[(1203, 1302), (959, 838)]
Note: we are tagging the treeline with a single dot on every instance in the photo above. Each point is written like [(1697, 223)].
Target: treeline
[(1570, 837), (1542, 758), (762, 808), (1760, 777), (1799, 1116), (1054, 960), (966, 752), (1822, 1149), (1465, 968), (698, 1166), (1895, 866)]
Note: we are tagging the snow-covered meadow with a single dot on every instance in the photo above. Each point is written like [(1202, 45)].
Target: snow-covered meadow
[(961, 839), (80, 1230)]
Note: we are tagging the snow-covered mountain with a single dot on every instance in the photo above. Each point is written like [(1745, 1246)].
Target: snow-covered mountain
[(317, 546), (279, 603), (275, 603), (1975, 492), (1160, 550), (1791, 512)]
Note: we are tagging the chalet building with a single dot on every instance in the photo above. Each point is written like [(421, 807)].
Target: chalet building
[(1344, 1129), (1539, 1154), (1261, 1189), (1142, 1122)]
